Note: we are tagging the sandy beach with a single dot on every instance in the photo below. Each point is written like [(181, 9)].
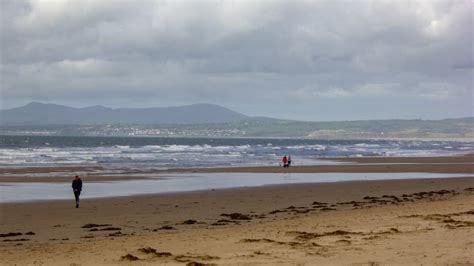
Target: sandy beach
[(418, 221)]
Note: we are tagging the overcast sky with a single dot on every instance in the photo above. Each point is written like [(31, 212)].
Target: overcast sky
[(307, 60)]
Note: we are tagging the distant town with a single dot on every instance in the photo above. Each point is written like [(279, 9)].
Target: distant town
[(383, 129), (123, 131)]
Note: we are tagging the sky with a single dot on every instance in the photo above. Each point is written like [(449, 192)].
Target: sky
[(304, 60)]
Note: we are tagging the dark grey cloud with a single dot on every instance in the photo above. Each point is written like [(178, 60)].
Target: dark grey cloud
[(298, 59)]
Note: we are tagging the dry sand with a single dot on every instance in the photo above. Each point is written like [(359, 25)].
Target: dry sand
[(423, 221)]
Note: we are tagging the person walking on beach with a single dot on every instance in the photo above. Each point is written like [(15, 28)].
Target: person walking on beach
[(285, 161), (77, 188), (289, 160)]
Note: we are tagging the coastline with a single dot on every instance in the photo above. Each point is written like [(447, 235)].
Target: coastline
[(446, 164), (457, 139)]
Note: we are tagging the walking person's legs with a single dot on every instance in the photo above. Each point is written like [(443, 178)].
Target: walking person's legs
[(76, 195)]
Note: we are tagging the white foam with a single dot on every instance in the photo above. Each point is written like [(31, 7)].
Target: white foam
[(219, 155), (366, 145), (125, 147)]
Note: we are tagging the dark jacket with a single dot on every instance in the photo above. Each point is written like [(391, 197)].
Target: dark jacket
[(77, 184)]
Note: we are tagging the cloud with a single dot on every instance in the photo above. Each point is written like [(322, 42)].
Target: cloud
[(246, 54)]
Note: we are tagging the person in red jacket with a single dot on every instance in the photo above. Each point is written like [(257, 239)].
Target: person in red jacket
[(285, 161)]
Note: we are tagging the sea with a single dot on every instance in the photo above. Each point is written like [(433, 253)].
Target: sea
[(165, 153)]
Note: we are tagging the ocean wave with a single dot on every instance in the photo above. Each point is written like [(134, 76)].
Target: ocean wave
[(367, 145), (223, 152)]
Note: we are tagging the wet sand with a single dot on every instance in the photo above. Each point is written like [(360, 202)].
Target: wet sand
[(424, 221), (468, 158), (455, 164), (69, 178), (373, 168), (47, 169)]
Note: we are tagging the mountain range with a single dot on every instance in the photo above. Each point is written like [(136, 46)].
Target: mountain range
[(207, 120), (36, 113)]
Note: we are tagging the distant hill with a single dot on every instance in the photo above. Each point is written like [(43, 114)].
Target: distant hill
[(363, 129), (206, 120), (52, 114)]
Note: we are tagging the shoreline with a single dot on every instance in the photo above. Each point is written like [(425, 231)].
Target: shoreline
[(329, 223), (232, 189), (454, 139), (450, 164)]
